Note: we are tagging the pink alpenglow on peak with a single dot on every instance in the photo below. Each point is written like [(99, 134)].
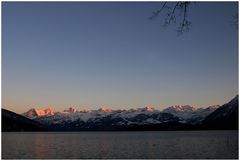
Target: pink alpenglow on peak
[(180, 108), (104, 109), (149, 108), (32, 113)]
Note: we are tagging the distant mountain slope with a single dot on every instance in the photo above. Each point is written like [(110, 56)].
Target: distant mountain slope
[(225, 117), (15, 122), (190, 114), (109, 121)]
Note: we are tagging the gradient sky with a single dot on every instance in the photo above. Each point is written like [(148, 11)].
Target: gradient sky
[(92, 55)]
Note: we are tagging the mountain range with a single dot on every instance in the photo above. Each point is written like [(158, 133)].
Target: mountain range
[(148, 118)]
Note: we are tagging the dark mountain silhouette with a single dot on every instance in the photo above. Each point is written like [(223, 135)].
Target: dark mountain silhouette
[(223, 118), (15, 122)]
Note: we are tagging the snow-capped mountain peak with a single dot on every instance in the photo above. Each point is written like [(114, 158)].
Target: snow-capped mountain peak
[(181, 108), (33, 113), (105, 109), (149, 108), (188, 112)]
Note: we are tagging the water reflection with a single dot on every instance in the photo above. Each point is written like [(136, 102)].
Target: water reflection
[(121, 145)]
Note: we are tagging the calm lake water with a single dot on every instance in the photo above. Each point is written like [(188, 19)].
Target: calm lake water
[(120, 145)]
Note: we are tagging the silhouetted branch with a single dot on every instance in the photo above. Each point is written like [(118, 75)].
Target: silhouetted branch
[(156, 13), (177, 12), (185, 24), (171, 17)]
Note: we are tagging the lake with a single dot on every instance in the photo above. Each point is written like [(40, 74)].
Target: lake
[(120, 145)]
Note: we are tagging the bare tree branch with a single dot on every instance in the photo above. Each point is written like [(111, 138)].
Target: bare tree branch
[(177, 12), (185, 24), (171, 17), (156, 13)]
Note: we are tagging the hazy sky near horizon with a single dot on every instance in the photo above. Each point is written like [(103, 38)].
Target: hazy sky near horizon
[(92, 55)]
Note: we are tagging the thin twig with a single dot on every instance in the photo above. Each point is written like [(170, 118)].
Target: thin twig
[(155, 14)]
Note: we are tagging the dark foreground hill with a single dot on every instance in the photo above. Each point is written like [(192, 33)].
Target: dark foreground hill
[(223, 118), (15, 122)]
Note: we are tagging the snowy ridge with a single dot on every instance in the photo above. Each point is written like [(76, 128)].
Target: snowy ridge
[(102, 116), (191, 114)]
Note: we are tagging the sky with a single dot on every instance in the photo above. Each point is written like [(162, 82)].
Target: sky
[(90, 55)]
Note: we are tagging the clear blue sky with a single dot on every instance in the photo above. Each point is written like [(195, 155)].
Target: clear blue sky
[(92, 55)]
